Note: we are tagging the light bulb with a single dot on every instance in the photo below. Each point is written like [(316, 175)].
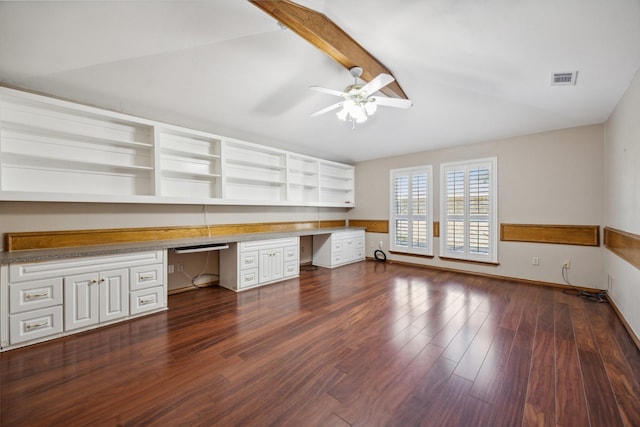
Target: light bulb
[(371, 106)]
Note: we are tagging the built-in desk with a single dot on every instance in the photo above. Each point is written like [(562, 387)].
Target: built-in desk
[(50, 293)]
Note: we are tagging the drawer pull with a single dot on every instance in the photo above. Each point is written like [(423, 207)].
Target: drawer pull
[(147, 301), (142, 278), (40, 295), (30, 326)]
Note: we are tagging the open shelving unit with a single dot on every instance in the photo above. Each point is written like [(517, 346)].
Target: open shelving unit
[(190, 165), (336, 183), (253, 172), (54, 150), (302, 178)]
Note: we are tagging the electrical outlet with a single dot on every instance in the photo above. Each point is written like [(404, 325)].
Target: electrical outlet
[(535, 260), (566, 264), (170, 268), (179, 267)]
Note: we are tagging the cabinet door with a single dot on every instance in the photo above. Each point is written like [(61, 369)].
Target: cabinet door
[(348, 249), (81, 301), (114, 294), (271, 265)]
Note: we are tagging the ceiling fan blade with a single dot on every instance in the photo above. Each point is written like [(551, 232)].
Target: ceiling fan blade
[(392, 102), (327, 109), (380, 81), (325, 90)]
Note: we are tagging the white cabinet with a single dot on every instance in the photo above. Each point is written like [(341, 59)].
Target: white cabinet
[(271, 267), (255, 263), (338, 248), (92, 298), (43, 300)]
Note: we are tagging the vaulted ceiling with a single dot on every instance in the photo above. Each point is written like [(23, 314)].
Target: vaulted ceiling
[(475, 70)]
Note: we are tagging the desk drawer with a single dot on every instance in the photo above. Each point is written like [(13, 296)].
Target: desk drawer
[(146, 276), (249, 260), (248, 278), (35, 295), (35, 324)]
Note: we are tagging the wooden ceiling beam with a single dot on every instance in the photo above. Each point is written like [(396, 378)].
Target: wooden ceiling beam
[(323, 33)]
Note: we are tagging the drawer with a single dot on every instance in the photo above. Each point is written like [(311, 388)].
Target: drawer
[(358, 253), (35, 324), (291, 268), (248, 278), (144, 300), (35, 295), (249, 260), (146, 276), (359, 243), (291, 253), (336, 245)]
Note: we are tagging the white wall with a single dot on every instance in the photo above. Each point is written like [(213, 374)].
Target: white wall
[(547, 178), (622, 201)]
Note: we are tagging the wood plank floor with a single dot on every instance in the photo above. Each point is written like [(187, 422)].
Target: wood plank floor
[(370, 344)]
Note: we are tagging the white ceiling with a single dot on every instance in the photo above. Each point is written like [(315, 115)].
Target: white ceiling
[(475, 70)]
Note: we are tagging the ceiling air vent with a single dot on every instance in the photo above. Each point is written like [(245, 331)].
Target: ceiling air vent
[(564, 79)]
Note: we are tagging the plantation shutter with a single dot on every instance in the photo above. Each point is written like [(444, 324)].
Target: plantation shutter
[(468, 211), (410, 219)]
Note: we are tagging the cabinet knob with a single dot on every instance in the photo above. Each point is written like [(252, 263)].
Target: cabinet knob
[(94, 281)]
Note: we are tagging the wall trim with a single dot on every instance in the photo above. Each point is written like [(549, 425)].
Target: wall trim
[(74, 238), (371, 225), (581, 235), (382, 225), (624, 244)]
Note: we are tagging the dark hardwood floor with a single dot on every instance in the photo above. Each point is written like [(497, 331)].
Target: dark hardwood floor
[(367, 344)]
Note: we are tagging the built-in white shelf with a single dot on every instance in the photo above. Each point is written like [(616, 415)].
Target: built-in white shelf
[(53, 150)]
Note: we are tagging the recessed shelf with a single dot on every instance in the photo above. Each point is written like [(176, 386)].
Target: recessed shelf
[(184, 175), (255, 164), (175, 151), (39, 130), (55, 163), (254, 181)]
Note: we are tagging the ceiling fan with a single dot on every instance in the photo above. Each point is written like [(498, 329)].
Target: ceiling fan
[(359, 101)]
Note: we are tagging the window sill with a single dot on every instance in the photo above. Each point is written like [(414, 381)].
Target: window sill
[(470, 261), (410, 254)]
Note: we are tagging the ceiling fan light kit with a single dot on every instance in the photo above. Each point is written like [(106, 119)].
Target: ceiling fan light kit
[(359, 102)]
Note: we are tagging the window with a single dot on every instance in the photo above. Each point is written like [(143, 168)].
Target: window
[(411, 219), (468, 210)]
